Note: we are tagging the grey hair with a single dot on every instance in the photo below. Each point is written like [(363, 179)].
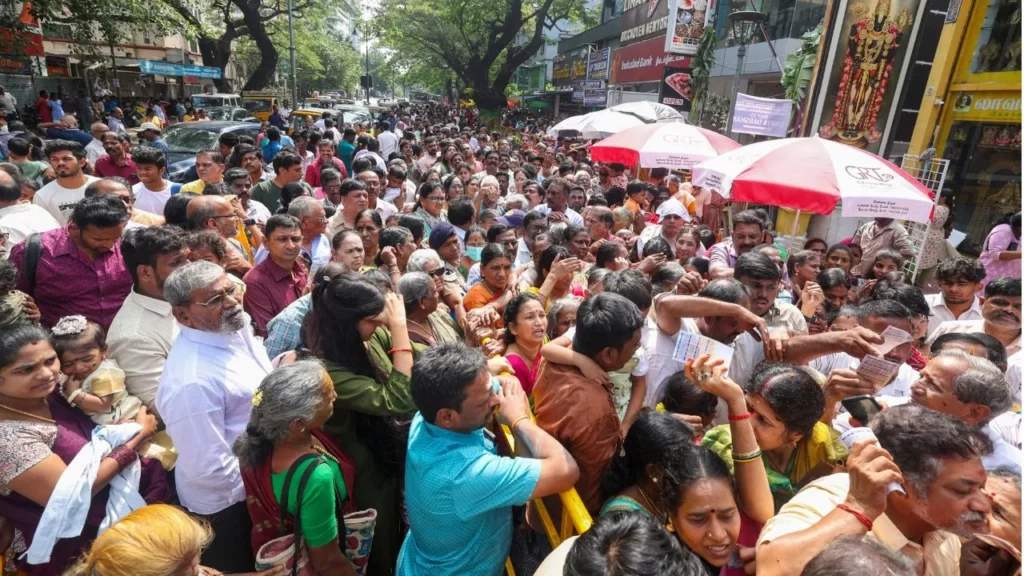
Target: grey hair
[(414, 286), (516, 202), (557, 307), (184, 281), (981, 383), (419, 259), (489, 180), (855, 555), (303, 206), (289, 393)]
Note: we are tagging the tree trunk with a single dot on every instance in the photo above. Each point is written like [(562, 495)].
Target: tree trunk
[(216, 52), (263, 76)]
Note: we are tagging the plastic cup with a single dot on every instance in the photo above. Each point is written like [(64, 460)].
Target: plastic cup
[(853, 435)]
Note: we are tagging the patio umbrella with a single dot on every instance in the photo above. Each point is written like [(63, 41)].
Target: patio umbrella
[(672, 145), (649, 111), (813, 175), (600, 124)]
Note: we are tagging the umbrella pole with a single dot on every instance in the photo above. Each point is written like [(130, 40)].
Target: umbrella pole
[(792, 233)]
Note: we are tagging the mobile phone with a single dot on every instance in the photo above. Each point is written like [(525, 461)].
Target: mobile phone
[(862, 407)]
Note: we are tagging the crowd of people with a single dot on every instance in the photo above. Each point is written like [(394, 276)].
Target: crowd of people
[(391, 342)]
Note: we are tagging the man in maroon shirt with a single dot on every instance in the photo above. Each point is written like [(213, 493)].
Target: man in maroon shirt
[(117, 162), (80, 268), (325, 151), (280, 278)]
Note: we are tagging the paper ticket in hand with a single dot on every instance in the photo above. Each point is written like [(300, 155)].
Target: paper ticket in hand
[(893, 337), (689, 346), (877, 370), (863, 433)]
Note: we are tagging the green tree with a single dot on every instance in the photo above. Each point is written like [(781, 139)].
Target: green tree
[(700, 72), (796, 76), (475, 39)]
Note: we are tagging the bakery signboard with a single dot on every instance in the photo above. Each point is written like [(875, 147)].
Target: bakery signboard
[(643, 20)]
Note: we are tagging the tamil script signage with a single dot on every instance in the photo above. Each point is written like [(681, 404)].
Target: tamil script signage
[(987, 106), (168, 69), (597, 66), (643, 62), (643, 20), (685, 26), (761, 116), (568, 68)]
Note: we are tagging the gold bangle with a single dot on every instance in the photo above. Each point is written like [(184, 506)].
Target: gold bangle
[(518, 420)]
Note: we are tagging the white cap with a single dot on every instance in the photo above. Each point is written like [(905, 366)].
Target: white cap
[(148, 126), (673, 207)]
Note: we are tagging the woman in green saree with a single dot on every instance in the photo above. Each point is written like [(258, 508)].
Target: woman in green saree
[(360, 333), (785, 403)]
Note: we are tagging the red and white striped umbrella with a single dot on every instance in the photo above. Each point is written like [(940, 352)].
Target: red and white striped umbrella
[(672, 145), (813, 175)]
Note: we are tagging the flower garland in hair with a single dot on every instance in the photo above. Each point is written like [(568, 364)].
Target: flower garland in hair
[(70, 326)]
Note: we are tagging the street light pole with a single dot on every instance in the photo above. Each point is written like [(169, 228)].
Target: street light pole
[(743, 23), (741, 54), (291, 50), (366, 43)]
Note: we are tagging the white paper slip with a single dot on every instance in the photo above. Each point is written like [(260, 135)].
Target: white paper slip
[(689, 346), (893, 337), (877, 370)]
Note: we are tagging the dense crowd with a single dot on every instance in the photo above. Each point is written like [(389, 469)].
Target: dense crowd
[(403, 344)]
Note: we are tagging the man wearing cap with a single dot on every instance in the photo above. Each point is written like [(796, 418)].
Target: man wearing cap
[(150, 134), (446, 243), (671, 216)]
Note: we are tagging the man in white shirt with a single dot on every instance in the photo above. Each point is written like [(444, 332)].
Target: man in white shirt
[(141, 335), (388, 141), (373, 199), (94, 151), (557, 205), (205, 397), (313, 221), (19, 220), (60, 196), (153, 190), (959, 282), (1000, 311), (372, 151)]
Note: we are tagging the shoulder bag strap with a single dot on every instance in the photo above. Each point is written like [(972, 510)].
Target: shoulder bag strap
[(288, 484), (298, 506), (33, 250)]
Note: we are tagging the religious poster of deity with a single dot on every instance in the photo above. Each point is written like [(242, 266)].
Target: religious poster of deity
[(868, 54)]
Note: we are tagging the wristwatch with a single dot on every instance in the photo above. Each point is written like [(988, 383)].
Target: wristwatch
[(249, 222)]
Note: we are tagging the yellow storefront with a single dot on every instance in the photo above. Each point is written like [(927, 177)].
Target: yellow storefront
[(971, 114)]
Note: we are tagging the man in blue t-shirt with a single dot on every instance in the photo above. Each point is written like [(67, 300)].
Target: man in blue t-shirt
[(459, 492)]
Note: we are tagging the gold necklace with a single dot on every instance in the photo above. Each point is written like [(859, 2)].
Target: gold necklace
[(29, 414), (324, 452), (428, 328), (663, 517)]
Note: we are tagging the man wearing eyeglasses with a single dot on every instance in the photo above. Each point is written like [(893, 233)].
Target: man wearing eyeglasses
[(119, 187), (217, 213), (205, 397)]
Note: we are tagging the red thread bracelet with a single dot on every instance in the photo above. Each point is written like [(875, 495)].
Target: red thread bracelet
[(394, 350), (739, 417), (863, 519)]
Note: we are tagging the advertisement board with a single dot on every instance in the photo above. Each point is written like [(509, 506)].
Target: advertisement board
[(987, 106), (761, 116), (675, 88), (568, 68), (643, 20), (643, 62), (597, 66), (685, 26)]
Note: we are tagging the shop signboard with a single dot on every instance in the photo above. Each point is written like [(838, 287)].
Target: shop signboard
[(675, 88), (58, 66), (761, 116), (169, 69), (11, 64), (643, 62), (988, 107), (685, 26), (568, 68), (597, 66), (577, 92), (595, 93), (866, 66), (643, 20)]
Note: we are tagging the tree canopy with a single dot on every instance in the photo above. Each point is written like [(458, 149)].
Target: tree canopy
[(482, 42)]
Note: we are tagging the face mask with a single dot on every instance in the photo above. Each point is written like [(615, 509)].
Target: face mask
[(474, 252)]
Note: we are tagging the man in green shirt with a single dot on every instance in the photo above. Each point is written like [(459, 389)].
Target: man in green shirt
[(287, 169), (20, 151), (347, 148)]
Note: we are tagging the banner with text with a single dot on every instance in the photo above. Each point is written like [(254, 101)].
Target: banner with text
[(168, 69), (643, 20), (643, 62), (675, 88), (685, 26), (597, 66), (761, 116)]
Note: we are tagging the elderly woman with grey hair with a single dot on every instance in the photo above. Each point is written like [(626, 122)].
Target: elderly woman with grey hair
[(449, 295), (282, 443), (428, 324)]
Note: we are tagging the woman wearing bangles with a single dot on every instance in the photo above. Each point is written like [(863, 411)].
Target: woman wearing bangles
[(40, 433), (786, 404), (688, 488), (361, 335)]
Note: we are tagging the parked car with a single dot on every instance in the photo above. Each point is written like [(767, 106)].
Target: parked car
[(187, 138), (231, 114), (210, 100)]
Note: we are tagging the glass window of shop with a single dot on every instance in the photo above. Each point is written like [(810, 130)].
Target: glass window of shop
[(784, 18), (998, 48)]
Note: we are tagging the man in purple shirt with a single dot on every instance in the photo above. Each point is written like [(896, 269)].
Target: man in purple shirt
[(280, 278), (747, 232), (117, 162), (80, 268)]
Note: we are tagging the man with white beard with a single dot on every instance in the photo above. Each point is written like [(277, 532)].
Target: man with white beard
[(205, 396)]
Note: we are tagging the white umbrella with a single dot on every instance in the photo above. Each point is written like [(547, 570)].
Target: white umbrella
[(649, 111), (600, 124)]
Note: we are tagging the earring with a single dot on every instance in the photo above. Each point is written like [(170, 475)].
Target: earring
[(655, 480)]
